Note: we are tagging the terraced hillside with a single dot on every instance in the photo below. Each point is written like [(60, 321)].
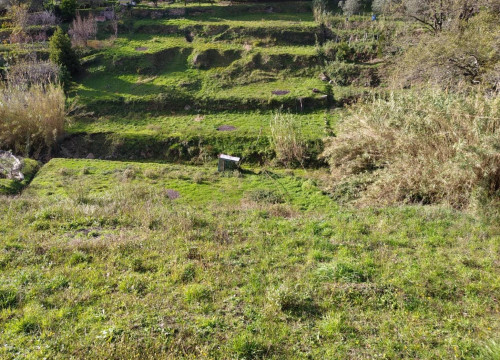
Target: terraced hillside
[(175, 77), (128, 243)]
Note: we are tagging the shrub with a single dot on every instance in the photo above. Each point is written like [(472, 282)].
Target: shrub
[(61, 52), (351, 7), (82, 29), (266, 196), (42, 18), (29, 72), (286, 139), (68, 9), (31, 119), (467, 53), (421, 147)]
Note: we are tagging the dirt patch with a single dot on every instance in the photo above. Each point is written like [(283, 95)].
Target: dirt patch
[(141, 48), (226, 128), (280, 92), (172, 194)]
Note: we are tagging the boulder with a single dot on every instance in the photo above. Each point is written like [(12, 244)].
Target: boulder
[(10, 166)]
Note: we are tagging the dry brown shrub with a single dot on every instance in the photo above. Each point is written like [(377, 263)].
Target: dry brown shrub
[(32, 71), (420, 147), (82, 29)]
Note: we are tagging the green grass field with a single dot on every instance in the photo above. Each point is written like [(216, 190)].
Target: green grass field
[(99, 259)]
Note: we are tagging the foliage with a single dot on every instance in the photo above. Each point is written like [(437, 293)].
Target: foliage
[(31, 119), (62, 53), (351, 7), (470, 54), (422, 147), (68, 9)]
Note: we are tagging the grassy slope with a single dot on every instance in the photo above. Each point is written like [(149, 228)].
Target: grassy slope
[(97, 262)]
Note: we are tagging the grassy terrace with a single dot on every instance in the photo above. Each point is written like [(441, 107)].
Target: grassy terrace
[(119, 260), (151, 89), (245, 124)]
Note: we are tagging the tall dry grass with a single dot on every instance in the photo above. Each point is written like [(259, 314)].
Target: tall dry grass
[(420, 147), (286, 139), (31, 118)]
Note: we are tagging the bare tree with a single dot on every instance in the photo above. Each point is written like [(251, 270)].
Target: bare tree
[(42, 18), (385, 6), (436, 14), (82, 29), (351, 7), (114, 24)]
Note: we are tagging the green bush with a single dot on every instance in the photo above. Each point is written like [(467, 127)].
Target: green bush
[(61, 52), (68, 9)]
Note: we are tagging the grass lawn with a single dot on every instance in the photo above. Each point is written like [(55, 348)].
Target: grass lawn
[(113, 260)]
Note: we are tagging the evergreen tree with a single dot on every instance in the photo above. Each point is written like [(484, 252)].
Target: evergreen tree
[(62, 53)]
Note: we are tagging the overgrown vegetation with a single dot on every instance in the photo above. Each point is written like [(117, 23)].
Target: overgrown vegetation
[(287, 140), (31, 118), (421, 147), (468, 52)]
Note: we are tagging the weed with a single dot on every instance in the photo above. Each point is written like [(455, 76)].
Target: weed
[(246, 347), (197, 293), (286, 139), (8, 298)]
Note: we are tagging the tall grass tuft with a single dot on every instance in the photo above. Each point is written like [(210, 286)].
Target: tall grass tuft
[(32, 118), (420, 147), (287, 140)]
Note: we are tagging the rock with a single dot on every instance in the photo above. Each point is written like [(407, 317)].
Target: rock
[(280, 92), (226, 128), (187, 107), (172, 194), (90, 156), (189, 36), (10, 166), (324, 77), (177, 12)]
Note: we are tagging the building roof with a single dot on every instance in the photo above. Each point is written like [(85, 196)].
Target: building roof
[(228, 157)]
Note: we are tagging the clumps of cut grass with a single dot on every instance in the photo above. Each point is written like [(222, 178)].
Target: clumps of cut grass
[(265, 196), (287, 140), (248, 347), (294, 300), (334, 325), (31, 119), (197, 293), (8, 298), (420, 147)]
